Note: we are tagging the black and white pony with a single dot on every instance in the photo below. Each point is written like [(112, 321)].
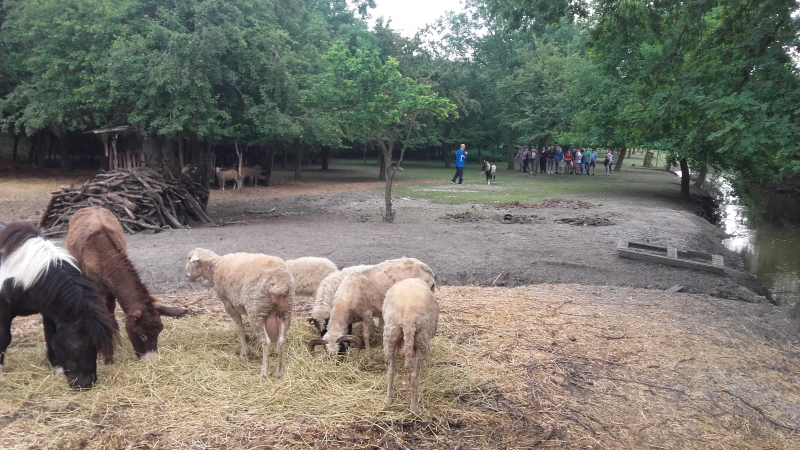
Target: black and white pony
[(490, 170), (36, 277)]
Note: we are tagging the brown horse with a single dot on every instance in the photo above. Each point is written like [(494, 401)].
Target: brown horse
[(97, 241)]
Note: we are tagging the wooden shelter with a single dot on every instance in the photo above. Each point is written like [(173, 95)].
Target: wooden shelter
[(119, 159)]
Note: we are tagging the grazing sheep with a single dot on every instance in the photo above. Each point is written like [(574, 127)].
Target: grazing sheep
[(252, 173), (360, 298), (410, 316), (224, 175), (325, 293), (260, 286), (308, 272), (490, 170), (96, 239)]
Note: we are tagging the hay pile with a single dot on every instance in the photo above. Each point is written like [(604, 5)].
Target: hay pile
[(546, 366), (143, 199)]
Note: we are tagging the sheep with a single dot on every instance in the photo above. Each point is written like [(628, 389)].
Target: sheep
[(410, 316), (308, 272), (189, 170), (360, 298), (224, 175), (252, 173), (260, 286), (325, 293)]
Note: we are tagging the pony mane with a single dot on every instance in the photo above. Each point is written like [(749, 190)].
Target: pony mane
[(80, 303), (26, 256)]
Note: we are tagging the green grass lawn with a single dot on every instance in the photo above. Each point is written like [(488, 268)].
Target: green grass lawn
[(431, 180)]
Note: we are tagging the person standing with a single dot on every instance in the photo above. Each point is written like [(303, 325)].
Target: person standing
[(608, 161), (525, 160), (519, 157), (461, 158), (559, 159), (567, 162), (551, 160), (593, 160), (532, 159), (578, 162)]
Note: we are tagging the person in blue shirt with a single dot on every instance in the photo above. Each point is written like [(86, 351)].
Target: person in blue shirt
[(559, 159), (461, 158)]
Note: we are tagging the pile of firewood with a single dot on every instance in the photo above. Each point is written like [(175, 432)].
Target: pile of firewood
[(141, 198)]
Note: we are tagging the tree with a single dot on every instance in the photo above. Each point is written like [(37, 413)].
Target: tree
[(378, 102)]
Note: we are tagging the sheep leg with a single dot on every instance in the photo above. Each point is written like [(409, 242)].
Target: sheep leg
[(265, 349), (367, 330), (415, 382), (281, 342), (237, 321), (390, 373)]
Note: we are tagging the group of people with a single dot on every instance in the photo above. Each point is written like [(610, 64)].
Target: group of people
[(554, 159), (557, 160)]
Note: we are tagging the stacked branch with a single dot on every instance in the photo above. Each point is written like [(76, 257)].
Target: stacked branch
[(141, 198)]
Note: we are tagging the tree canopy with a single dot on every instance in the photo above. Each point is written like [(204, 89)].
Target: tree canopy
[(714, 83)]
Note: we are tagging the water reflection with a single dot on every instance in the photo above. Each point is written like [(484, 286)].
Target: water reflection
[(766, 236)]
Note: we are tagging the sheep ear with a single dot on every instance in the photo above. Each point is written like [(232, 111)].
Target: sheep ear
[(194, 258)]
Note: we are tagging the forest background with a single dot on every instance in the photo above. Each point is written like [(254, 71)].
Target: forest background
[(713, 83)]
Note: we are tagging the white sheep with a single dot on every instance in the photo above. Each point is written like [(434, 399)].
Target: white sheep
[(252, 173), (309, 272), (360, 298), (324, 298), (410, 316), (257, 285), (224, 175)]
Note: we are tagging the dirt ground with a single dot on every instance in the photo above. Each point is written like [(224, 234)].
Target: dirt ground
[(337, 215)]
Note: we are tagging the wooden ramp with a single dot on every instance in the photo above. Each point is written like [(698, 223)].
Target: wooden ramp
[(671, 256)]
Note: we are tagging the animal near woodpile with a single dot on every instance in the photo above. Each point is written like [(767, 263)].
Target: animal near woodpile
[(140, 198)]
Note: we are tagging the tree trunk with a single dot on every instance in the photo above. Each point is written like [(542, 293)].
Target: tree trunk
[(364, 152), (511, 155), (270, 163), (382, 164), (205, 166), (621, 158), (16, 143), (684, 179), (701, 176), (446, 156), (285, 157), (181, 159), (388, 172), (326, 157), (298, 174), (480, 157), (63, 151)]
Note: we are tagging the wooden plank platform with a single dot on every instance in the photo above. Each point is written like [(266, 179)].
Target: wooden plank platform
[(671, 256)]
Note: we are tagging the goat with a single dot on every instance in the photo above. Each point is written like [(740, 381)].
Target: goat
[(252, 173), (490, 170)]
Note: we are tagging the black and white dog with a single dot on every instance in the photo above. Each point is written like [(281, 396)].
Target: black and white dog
[(490, 170)]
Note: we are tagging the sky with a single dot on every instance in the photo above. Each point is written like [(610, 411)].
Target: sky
[(410, 15)]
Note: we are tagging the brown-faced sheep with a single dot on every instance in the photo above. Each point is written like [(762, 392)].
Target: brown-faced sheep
[(360, 298), (321, 311), (97, 241), (410, 316), (251, 173), (260, 286), (308, 272), (224, 175)]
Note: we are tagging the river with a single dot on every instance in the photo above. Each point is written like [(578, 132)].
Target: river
[(767, 236)]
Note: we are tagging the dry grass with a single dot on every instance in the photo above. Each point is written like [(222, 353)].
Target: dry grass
[(547, 366)]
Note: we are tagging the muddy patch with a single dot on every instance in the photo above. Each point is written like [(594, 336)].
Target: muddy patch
[(586, 221), (520, 219), (548, 203), (464, 217)]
